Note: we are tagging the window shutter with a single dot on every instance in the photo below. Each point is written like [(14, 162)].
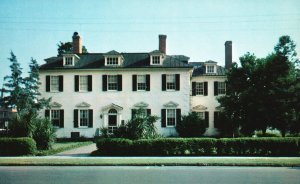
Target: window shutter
[(147, 82), (48, 83), (76, 83), (61, 116), (75, 118), (119, 82), (178, 115), (193, 88), (216, 88), (90, 118), (134, 82), (90, 83), (61, 83), (163, 82), (216, 118), (177, 79), (163, 118), (47, 113), (206, 119), (205, 89), (148, 112), (104, 82), (133, 113)]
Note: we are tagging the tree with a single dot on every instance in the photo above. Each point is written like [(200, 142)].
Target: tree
[(67, 47), (191, 125)]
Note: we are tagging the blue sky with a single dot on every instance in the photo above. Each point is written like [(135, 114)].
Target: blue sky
[(197, 29)]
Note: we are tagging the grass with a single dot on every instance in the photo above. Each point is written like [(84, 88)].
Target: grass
[(62, 146), (151, 161)]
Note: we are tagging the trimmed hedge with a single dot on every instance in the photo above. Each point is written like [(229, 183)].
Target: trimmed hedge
[(17, 146), (199, 147)]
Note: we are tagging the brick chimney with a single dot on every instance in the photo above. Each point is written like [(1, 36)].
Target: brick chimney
[(162, 43), (77, 43), (228, 54)]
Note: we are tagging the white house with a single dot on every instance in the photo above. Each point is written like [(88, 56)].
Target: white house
[(94, 90)]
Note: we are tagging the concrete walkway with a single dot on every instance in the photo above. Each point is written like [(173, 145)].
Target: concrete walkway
[(83, 151)]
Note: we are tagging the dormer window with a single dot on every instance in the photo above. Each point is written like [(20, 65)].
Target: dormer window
[(156, 60), (210, 69), (112, 61), (68, 61)]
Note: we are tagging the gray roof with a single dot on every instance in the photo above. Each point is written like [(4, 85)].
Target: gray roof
[(131, 60), (199, 69)]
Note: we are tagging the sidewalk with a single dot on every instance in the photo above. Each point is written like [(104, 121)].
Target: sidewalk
[(84, 151)]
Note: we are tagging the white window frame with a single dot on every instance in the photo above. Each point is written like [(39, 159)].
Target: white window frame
[(82, 118), (221, 91), (110, 79), (141, 83), (83, 87), (174, 114), (54, 87), (169, 82), (210, 69), (156, 60), (201, 114), (199, 88), (57, 113), (112, 61), (68, 61)]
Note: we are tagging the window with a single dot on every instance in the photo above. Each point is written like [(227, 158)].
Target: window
[(55, 118), (84, 118), (171, 117), (112, 82), (141, 82), (221, 88), (112, 61), (112, 120), (68, 61), (156, 60), (201, 115), (170, 79), (54, 83), (83, 83), (210, 69), (199, 88)]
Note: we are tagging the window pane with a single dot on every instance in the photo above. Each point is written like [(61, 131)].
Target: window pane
[(170, 79), (221, 88), (83, 83), (112, 60), (155, 59), (141, 82), (171, 117), (112, 82), (201, 115), (54, 83), (199, 88), (55, 117), (84, 118), (210, 69), (69, 61)]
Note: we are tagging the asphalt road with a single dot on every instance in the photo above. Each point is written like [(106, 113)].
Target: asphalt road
[(156, 175)]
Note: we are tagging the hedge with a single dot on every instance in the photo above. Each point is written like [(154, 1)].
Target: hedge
[(199, 147), (17, 146)]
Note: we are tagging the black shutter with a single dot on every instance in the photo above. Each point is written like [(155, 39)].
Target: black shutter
[(205, 88), (61, 83), (47, 113), (206, 119), (75, 118), (90, 118), (104, 82), (148, 112), (134, 82), (61, 116), (193, 88), (76, 83), (163, 82), (216, 119), (47, 83), (178, 115), (163, 118), (90, 83), (177, 77), (216, 88), (147, 82), (133, 113), (119, 82)]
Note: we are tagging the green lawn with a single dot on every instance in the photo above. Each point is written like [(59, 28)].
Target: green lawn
[(63, 146), (152, 161)]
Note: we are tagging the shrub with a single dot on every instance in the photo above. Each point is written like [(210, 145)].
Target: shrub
[(44, 133), (17, 146), (191, 125), (114, 146), (21, 125)]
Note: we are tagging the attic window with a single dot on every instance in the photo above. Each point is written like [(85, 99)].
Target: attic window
[(68, 61), (112, 61), (210, 69), (155, 60)]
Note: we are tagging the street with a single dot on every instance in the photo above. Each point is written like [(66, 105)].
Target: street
[(144, 174)]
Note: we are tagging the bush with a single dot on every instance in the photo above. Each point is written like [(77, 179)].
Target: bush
[(199, 147), (191, 125), (21, 125), (17, 146), (44, 133)]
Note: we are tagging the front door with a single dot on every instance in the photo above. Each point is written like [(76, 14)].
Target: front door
[(112, 120)]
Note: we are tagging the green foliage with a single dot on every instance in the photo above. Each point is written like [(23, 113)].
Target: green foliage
[(67, 47), (141, 126), (191, 125), (199, 147), (44, 133), (17, 146), (21, 125)]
